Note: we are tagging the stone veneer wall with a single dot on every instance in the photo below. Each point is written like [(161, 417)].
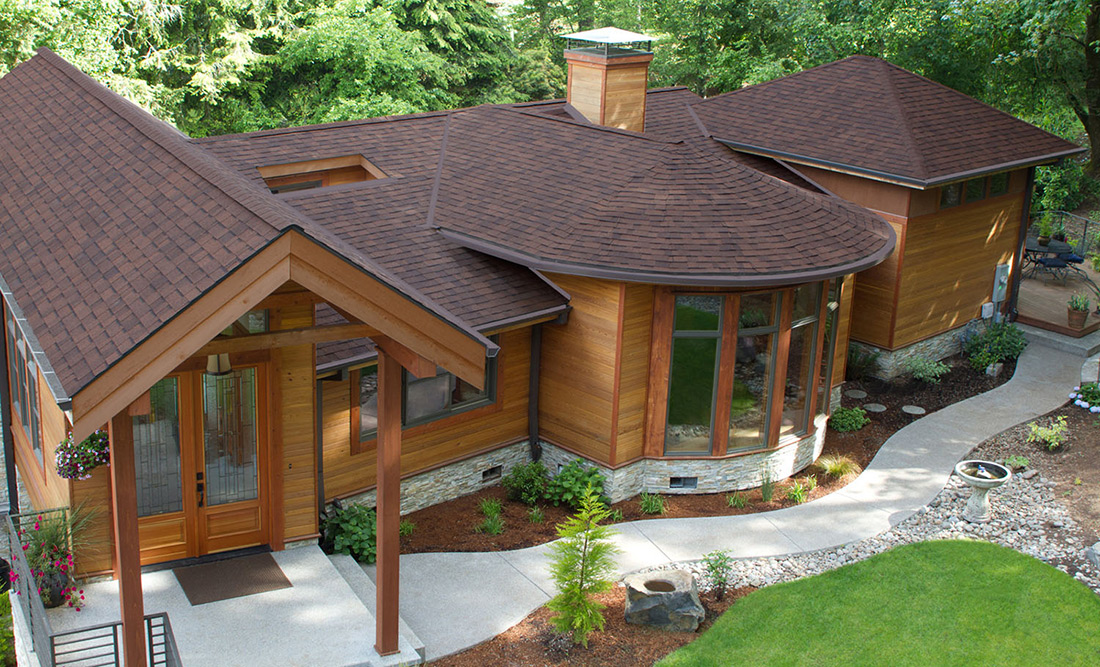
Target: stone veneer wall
[(452, 481), (940, 346), (714, 475)]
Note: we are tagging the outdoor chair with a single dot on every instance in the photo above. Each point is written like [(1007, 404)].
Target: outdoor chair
[(1055, 266)]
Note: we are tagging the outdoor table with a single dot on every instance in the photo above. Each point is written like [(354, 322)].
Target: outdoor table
[(1034, 252)]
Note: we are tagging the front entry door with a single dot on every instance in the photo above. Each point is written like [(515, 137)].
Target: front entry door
[(199, 456)]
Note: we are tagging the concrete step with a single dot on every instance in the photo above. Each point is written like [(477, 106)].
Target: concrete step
[(1085, 346), (366, 591), (1090, 370)]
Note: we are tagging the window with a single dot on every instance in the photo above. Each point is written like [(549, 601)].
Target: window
[(697, 334), (975, 189), (951, 195), (424, 399), (998, 184), (23, 374), (754, 366), (296, 176), (252, 322)]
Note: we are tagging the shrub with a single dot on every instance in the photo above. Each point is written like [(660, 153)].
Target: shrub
[(861, 363), (719, 568), (797, 492), (527, 483), (535, 514), (838, 466), (616, 516), (811, 483), (491, 525), (405, 528), (570, 484), (998, 342), (1087, 396), (353, 532), (1017, 462), (767, 488), (1094, 258), (651, 503), (849, 419), (1052, 437), (77, 460), (925, 369), (7, 635), (582, 565), (490, 507), (737, 500)]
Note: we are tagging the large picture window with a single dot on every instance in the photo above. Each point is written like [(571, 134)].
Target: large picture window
[(23, 374)]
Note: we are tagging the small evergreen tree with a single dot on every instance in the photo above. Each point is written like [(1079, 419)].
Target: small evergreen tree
[(582, 564)]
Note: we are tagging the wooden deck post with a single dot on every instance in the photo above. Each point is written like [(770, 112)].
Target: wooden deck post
[(388, 493), (127, 548)]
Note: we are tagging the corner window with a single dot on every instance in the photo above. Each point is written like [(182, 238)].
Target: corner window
[(23, 382)]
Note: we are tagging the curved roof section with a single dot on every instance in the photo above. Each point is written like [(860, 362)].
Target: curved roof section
[(575, 198), (871, 117)]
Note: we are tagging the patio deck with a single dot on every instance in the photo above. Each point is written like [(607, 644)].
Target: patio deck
[(319, 620), (1042, 302)]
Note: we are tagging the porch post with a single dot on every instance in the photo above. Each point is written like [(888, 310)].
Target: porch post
[(388, 494), (127, 549)]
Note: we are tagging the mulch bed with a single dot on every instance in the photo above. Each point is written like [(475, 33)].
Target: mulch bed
[(534, 641), (449, 526)]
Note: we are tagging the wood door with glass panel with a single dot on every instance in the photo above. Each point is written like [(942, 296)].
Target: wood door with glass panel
[(198, 460)]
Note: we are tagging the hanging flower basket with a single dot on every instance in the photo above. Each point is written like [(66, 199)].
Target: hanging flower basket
[(78, 460)]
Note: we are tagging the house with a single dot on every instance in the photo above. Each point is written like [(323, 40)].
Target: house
[(399, 310)]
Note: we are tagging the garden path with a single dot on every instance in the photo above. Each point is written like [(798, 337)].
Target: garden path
[(456, 600)]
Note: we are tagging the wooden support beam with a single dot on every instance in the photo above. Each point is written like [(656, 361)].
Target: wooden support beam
[(288, 338), (127, 547), (284, 299), (388, 500), (413, 362)]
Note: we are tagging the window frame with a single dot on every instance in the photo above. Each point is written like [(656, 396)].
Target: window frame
[(698, 334), (987, 190), (23, 387)]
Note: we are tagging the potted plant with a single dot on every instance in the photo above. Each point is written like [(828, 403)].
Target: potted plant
[(77, 460), (1046, 227), (49, 540), (1078, 310), (1059, 232)]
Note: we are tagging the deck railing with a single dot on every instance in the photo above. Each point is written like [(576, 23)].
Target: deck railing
[(1081, 233), (95, 646)]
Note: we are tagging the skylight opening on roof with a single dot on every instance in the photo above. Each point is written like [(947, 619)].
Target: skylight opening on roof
[(310, 174)]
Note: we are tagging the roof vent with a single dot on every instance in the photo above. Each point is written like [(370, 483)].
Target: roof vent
[(608, 71)]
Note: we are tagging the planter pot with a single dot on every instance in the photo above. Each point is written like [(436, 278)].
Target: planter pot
[(1077, 318), (1044, 240), (1059, 237), (52, 589)]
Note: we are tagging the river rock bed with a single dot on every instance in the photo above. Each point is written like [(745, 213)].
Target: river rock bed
[(1026, 517)]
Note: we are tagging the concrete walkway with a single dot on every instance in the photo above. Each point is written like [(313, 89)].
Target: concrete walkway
[(456, 600)]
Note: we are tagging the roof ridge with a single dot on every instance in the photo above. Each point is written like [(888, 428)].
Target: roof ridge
[(430, 218), (320, 127), (913, 150), (784, 77)]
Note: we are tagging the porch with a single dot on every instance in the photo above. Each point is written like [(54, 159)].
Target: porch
[(1044, 293)]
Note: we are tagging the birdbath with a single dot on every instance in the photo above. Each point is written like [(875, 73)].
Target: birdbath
[(981, 476)]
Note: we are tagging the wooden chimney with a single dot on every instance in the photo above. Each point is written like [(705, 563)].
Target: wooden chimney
[(608, 71)]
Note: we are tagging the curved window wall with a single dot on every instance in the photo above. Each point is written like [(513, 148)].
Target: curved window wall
[(741, 370)]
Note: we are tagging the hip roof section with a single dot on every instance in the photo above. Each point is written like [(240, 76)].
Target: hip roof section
[(869, 116)]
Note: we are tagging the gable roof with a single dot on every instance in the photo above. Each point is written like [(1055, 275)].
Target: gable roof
[(873, 118), (670, 213), (114, 222)]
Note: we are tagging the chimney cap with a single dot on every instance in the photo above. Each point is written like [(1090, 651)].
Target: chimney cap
[(608, 35)]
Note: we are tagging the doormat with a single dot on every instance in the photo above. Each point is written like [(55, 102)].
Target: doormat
[(231, 578)]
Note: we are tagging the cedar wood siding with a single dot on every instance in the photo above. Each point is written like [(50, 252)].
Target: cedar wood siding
[(942, 268), (435, 443), (637, 325)]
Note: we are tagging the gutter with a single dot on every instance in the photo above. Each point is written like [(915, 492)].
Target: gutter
[(5, 416), (533, 394)]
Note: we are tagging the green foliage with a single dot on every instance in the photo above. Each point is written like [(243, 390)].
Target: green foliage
[(797, 492), (1094, 259), (1088, 393), (352, 530), (491, 525), (718, 566), (405, 528), (1017, 462), (616, 516), (7, 634), (838, 466), (570, 483), (811, 482), (582, 565), (995, 343), (651, 503), (862, 363), (1052, 436), (490, 507), (925, 369), (77, 460), (767, 487), (848, 419), (527, 483), (535, 514), (737, 500), (1079, 302)]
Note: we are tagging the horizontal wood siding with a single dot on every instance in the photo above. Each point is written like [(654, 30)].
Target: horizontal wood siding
[(578, 369), (586, 90), (435, 443), (875, 195), (875, 297), (949, 263), (843, 329), (634, 371), (624, 97)]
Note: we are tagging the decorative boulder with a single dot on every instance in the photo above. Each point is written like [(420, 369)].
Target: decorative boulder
[(666, 599)]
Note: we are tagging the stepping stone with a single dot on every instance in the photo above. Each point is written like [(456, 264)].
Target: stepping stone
[(913, 410), (874, 407), (857, 394)]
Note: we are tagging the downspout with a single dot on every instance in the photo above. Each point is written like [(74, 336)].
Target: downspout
[(319, 439), (533, 394), (1017, 262), (5, 414)]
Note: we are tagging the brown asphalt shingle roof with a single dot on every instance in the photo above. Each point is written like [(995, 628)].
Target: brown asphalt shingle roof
[(876, 118), (114, 222)]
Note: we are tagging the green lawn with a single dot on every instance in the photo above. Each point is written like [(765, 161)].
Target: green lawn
[(932, 603)]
